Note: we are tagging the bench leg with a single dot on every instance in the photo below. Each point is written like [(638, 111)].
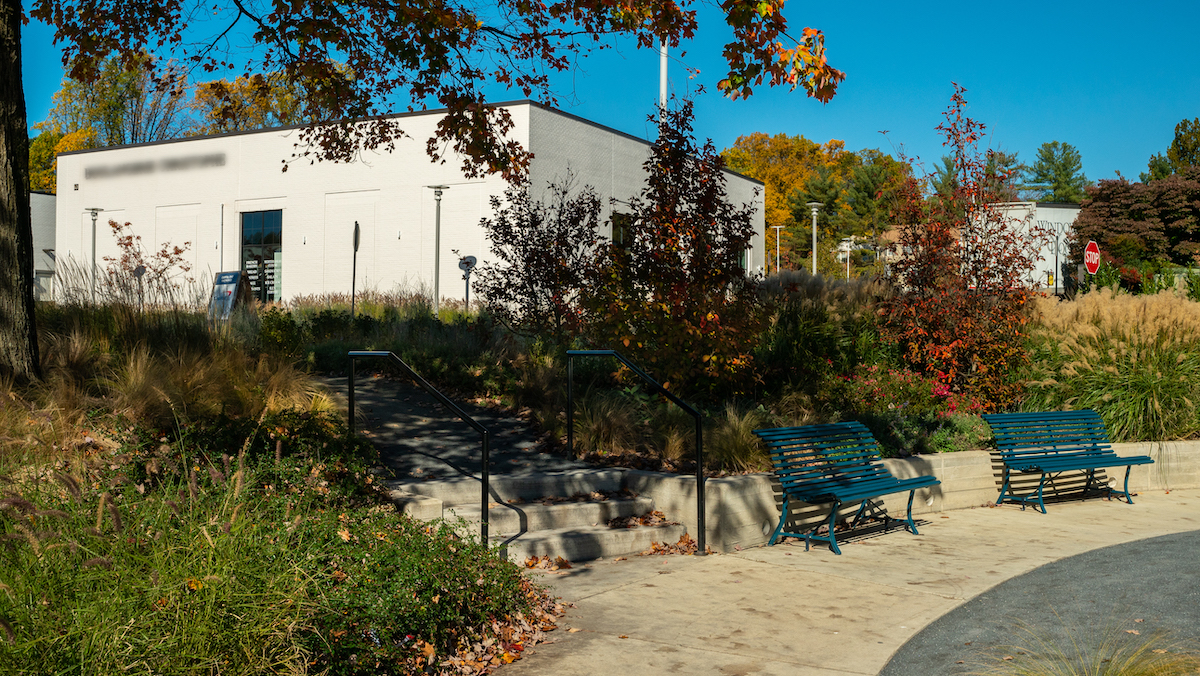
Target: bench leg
[(1126, 493), (862, 507), (782, 520), (833, 512), (1041, 486), (912, 526), (1004, 488)]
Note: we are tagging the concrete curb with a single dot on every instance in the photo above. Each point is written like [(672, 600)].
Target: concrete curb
[(742, 511)]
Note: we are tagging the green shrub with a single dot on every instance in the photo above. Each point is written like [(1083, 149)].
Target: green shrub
[(903, 434), (730, 442), (169, 560), (819, 328)]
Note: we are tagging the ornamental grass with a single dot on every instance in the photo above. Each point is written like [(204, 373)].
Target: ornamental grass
[(1133, 359)]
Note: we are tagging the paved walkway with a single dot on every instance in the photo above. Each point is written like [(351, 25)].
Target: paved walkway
[(892, 604), (781, 610)]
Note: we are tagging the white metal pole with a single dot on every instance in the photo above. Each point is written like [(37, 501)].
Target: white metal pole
[(95, 269), (662, 74), (777, 231), (437, 247), (814, 206)]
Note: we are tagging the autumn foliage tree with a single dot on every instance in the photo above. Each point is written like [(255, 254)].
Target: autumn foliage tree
[(545, 255), (962, 273), (1133, 223), (853, 186), (674, 294)]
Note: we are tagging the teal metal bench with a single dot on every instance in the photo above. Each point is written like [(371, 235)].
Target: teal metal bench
[(833, 464), (1055, 442)]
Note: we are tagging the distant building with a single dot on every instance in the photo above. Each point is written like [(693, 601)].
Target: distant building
[(42, 215), (1057, 220), (292, 231)]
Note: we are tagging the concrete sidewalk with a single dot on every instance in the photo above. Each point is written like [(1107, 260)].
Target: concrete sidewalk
[(781, 610)]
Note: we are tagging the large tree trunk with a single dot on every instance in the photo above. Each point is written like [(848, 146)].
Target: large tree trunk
[(18, 335)]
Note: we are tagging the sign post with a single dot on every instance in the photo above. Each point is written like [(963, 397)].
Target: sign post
[(354, 270), (466, 264), (1091, 257), (138, 272)]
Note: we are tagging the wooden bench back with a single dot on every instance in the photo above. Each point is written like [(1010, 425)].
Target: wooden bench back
[(813, 458), (1021, 435)]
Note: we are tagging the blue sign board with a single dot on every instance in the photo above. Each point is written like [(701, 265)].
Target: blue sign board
[(224, 295)]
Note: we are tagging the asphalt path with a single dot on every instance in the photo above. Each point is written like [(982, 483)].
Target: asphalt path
[(1149, 586)]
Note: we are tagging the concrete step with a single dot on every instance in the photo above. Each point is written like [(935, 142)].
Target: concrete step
[(587, 543), (505, 487), (508, 519)]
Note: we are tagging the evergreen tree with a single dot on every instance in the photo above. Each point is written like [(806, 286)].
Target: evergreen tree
[(1184, 150), (1157, 168), (1058, 172)]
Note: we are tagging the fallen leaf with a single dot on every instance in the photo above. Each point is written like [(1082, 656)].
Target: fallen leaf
[(562, 563), (1160, 651), (622, 636), (344, 535), (1139, 620), (1008, 658), (573, 630), (1133, 631)]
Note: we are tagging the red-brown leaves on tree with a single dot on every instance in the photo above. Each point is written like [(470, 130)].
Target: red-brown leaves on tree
[(963, 275), (1157, 221), (545, 257), (675, 296)]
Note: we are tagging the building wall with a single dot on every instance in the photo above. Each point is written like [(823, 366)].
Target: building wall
[(194, 191), (42, 215), (1054, 219), (612, 163)]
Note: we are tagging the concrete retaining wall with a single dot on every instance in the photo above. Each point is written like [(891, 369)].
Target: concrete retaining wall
[(742, 511)]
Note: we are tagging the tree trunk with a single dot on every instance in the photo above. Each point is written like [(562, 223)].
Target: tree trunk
[(18, 335)]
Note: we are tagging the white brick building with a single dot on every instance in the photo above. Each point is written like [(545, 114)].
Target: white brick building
[(227, 196)]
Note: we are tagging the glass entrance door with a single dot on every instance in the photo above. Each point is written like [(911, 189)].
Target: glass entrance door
[(262, 253)]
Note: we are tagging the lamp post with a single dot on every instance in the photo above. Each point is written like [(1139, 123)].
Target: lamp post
[(437, 247), (814, 206), (777, 229), (95, 269)]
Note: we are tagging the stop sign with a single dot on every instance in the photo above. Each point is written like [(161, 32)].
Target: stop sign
[(1091, 257)]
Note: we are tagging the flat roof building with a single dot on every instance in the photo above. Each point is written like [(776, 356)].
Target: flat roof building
[(292, 231)]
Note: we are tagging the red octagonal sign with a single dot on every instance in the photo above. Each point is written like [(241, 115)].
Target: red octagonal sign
[(1091, 257)]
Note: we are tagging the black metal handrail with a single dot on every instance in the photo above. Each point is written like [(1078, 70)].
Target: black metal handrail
[(483, 431), (701, 549)]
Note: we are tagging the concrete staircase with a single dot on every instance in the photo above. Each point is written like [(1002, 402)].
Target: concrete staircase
[(545, 514)]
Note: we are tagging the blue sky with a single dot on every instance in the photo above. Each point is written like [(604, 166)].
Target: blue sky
[(1111, 79)]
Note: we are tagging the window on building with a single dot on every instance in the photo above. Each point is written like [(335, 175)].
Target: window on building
[(622, 230), (262, 253)]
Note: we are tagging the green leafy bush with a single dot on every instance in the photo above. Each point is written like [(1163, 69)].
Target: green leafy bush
[(170, 560)]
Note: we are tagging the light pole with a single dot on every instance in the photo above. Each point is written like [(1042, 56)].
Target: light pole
[(437, 246), (777, 229), (95, 272), (354, 269), (814, 206)]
